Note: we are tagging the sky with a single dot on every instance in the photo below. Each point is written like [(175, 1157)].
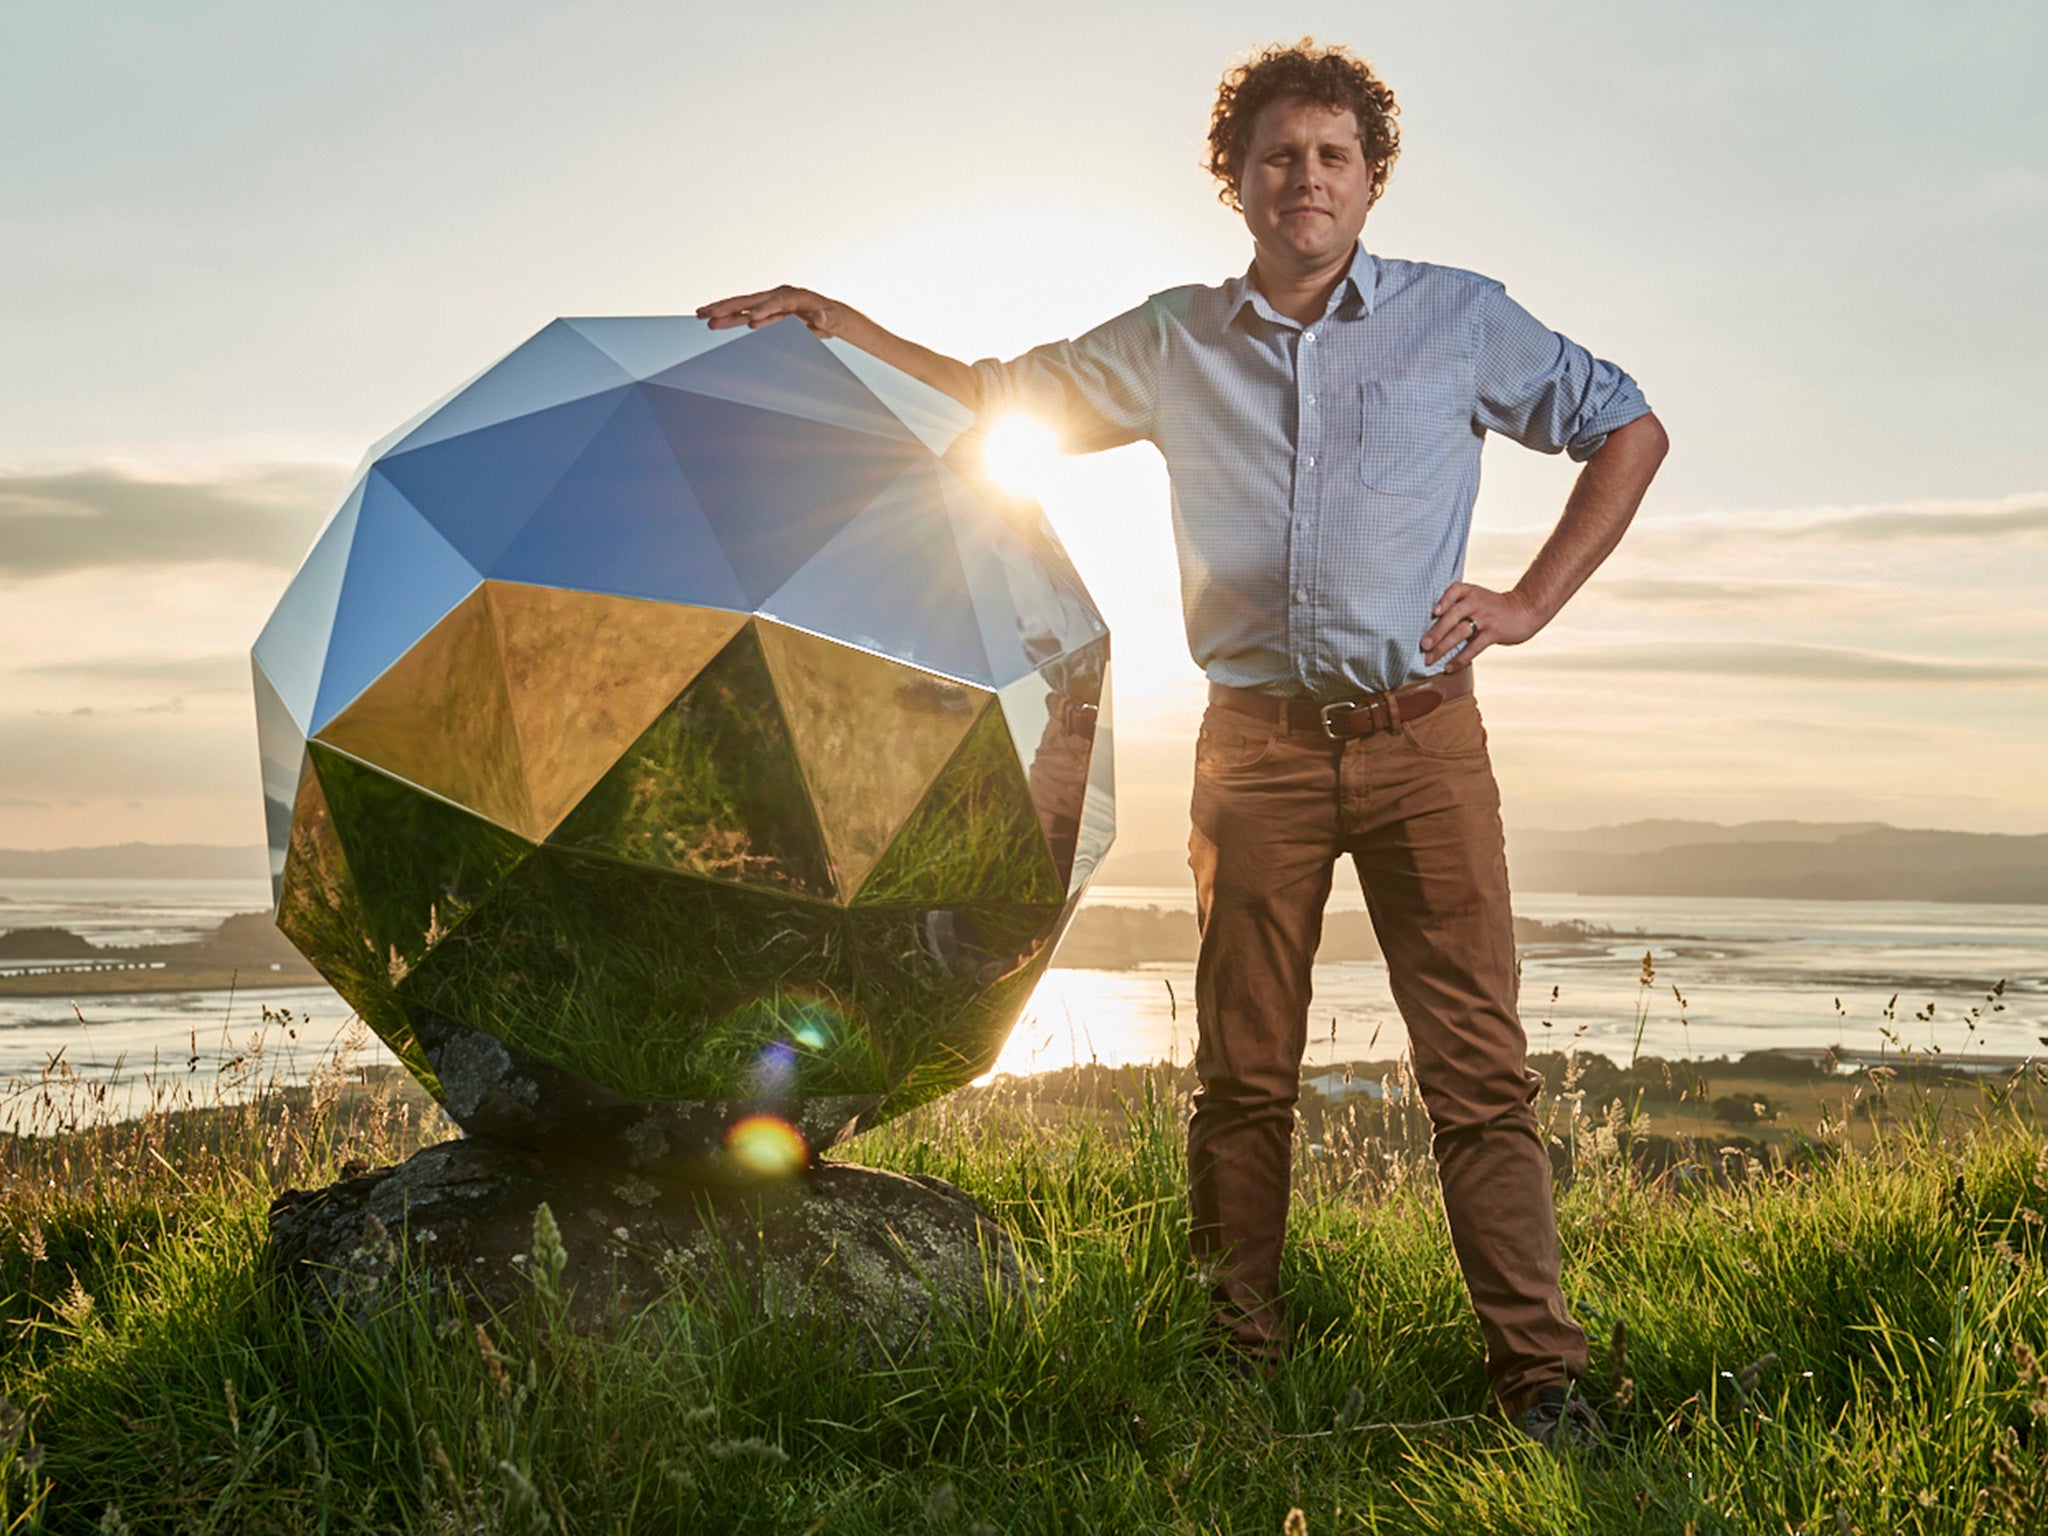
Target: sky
[(239, 242)]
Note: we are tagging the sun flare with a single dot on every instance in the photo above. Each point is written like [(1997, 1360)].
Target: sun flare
[(1021, 455)]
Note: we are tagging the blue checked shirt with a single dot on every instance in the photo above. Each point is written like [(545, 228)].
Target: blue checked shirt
[(1323, 474)]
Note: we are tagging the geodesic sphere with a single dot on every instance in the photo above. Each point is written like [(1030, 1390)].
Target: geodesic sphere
[(666, 715)]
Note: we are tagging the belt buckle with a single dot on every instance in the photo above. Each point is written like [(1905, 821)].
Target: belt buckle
[(1329, 717)]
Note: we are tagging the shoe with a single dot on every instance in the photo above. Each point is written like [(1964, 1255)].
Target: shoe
[(1558, 1419)]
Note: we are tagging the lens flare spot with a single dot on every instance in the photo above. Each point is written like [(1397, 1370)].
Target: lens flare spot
[(1021, 455), (767, 1146), (775, 1070), (812, 1029)]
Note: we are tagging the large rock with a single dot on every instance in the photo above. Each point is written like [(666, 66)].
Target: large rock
[(838, 1242)]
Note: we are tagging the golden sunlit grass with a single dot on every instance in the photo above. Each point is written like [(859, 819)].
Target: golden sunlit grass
[(1847, 1341)]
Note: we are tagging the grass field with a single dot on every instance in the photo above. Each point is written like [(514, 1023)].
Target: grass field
[(1834, 1343)]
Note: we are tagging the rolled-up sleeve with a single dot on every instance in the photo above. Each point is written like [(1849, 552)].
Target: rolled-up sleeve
[(1545, 390), (1100, 390)]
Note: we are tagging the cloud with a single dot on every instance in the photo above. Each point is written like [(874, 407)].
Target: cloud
[(117, 754), (2004, 516), (76, 519), (1691, 592), (219, 673), (1809, 663), (1930, 523)]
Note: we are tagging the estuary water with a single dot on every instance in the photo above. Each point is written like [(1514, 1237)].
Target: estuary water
[(1724, 976)]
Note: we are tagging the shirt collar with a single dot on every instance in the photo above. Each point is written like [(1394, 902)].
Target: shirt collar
[(1361, 280)]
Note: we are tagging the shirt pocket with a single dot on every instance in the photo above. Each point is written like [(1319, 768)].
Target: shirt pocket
[(1411, 432)]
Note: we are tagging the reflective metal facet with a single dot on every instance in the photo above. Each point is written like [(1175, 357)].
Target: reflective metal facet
[(586, 673), (559, 365), (281, 757), (421, 865), (890, 581), (712, 787), (402, 577), (439, 717), (785, 370), (660, 718), (293, 646), (838, 701), (623, 520), (775, 487)]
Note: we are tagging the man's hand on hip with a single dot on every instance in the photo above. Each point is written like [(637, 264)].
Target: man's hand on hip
[(1602, 504), (1476, 617)]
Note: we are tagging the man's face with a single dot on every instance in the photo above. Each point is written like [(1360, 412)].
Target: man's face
[(1305, 183)]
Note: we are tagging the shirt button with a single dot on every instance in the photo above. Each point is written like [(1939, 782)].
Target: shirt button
[(1308, 335), (1309, 399), (1301, 594), (1310, 461)]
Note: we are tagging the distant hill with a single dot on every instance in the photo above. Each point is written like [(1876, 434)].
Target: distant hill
[(1654, 836), (1819, 861), (138, 861), (1105, 938), (246, 950), (1854, 861), (1797, 860)]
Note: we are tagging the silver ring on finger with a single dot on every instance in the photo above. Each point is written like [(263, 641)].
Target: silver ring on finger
[(1472, 626)]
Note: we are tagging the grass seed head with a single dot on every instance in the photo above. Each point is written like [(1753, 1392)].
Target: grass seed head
[(753, 1448), (550, 1258), (1746, 1378)]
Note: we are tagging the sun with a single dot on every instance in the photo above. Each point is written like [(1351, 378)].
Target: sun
[(1020, 454)]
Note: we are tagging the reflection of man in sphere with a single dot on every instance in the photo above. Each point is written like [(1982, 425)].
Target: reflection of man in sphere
[(1321, 417), (1058, 779)]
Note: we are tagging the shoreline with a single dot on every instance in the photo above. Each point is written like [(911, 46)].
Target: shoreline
[(144, 983)]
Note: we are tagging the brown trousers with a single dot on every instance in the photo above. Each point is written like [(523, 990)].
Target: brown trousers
[(1419, 813)]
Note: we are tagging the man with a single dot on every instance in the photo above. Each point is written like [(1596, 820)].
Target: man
[(1321, 419)]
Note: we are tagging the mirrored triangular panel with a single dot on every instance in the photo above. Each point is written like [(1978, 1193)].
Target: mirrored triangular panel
[(645, 345), (439, 718), (421, 864), (554, 367), (937, 419), (783, 367), (587, 673), (890, 581), (623, 520), (281, 759), (871, 735), (1027, 615), (1053, 715), (712, 787), (775, 488), (402, 578), (974, 837), (479, 489), (293, 644), (1098, 811), (654, 983), (318, 909)]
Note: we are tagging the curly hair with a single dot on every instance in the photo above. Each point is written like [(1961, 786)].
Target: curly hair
[(1331, 77)]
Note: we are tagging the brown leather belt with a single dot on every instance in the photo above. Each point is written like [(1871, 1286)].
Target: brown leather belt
[(1344, 719)]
